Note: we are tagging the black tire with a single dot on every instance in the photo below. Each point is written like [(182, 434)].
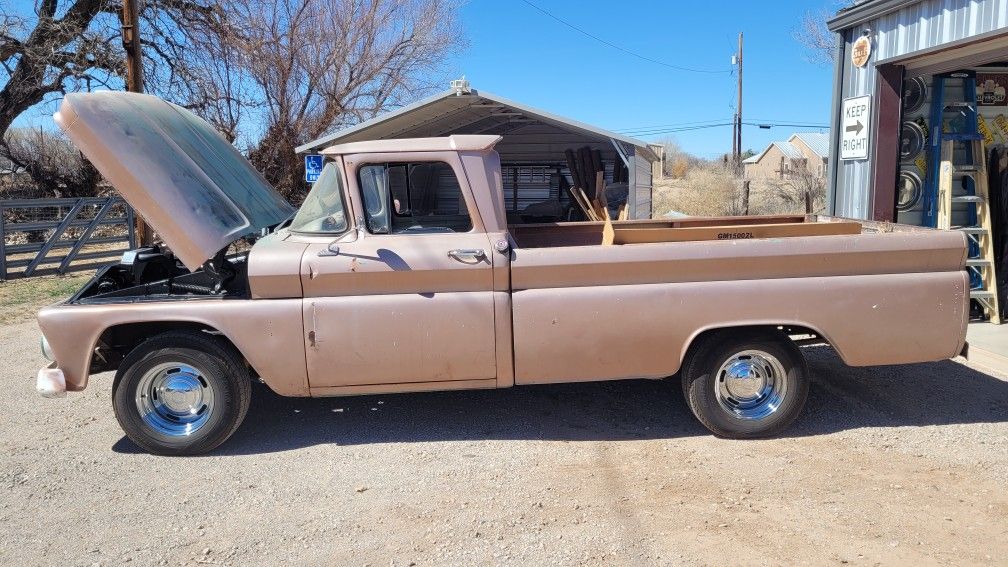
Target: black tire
[(701, 383), (221, 369)]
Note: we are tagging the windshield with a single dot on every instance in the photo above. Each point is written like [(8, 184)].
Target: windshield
[(323, 210)]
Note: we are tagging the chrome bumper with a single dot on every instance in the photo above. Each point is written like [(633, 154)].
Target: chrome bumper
[(50, 382)]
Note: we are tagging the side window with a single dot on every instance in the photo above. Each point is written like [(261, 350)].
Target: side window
[(413, 197), (323, 210)]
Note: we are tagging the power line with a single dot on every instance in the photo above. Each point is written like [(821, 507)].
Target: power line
[(681, 129), (623, 49), (785, 125), (673, 125), (688, 127)]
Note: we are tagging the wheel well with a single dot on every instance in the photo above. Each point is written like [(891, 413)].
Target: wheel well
[(117, 341), (800, 334)]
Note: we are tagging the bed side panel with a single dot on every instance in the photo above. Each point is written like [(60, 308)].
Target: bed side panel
[(643, 331)]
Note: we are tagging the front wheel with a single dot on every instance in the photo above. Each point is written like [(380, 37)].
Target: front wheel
[(746, 384), (181, 393)]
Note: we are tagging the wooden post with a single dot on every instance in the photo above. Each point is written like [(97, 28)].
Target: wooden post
[(738, 106), (745, 198), (3, 251), (514, 189), (134, 83)]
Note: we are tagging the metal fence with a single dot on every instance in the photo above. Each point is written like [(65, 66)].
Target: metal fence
[(51, 235)]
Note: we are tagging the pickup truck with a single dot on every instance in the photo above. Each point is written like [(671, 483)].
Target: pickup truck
[(399, 273)]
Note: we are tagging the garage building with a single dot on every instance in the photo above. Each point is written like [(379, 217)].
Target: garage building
[(911, 42), (534, 166), (914, 79)]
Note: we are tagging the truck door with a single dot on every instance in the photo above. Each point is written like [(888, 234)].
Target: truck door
[(405, 296)]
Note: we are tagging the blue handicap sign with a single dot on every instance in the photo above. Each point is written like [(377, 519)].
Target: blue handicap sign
[(312, 167)]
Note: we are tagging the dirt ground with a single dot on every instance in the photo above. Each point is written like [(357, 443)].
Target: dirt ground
[(892, 465)]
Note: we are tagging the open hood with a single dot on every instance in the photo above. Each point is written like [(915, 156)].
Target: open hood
[(184, 178)]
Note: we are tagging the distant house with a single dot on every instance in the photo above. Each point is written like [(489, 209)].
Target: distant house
[(808, 151)]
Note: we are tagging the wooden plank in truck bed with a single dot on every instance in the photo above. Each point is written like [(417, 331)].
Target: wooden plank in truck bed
[(718, 221), (626, 235)]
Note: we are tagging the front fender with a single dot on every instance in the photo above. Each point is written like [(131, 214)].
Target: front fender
[(268, 333)]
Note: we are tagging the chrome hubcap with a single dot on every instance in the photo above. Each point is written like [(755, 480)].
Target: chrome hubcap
[(175, 399), (751, 384)]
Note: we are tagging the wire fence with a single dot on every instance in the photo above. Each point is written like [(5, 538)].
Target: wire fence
[(44, 236)]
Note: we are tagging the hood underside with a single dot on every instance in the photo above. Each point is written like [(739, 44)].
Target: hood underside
[(192, 186)]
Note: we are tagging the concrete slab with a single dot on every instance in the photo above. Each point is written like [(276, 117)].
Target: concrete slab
[(988, 346)]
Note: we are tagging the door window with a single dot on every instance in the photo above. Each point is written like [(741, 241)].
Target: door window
[(413, 197)]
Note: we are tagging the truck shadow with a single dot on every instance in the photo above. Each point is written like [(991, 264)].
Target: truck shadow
[(841, 398)]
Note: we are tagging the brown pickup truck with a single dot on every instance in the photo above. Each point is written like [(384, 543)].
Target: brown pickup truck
[(399, 273)]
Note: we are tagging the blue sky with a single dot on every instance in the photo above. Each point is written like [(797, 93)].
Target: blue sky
[(520, 53)]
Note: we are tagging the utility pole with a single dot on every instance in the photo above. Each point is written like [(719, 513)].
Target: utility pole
[(130, 18), (737, 142)]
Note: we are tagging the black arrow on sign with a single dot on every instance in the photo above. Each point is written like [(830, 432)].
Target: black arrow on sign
[(856, 128)]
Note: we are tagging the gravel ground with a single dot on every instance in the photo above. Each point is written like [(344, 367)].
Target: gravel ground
[(887, 465)]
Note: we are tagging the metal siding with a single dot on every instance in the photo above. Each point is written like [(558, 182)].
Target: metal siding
[(853, 176), (933, 23), (925, 25), (642, 188)]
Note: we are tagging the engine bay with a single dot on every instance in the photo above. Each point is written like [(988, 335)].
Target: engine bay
[(155, 274)]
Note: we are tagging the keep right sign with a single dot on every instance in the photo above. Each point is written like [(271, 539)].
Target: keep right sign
[(855, 128)]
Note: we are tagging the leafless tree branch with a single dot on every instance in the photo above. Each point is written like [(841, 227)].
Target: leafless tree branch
[(819, 43)]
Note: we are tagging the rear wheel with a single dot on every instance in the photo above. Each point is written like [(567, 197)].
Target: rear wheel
[(181, 393), (746, 384)]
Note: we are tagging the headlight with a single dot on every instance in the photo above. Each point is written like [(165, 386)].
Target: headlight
[(47, 352)]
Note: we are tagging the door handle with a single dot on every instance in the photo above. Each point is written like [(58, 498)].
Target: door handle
[(467, 254)]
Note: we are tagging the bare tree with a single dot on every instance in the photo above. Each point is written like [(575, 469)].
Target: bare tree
[(64, 49), (320, 64), (819, 43), (192, 60), (51, 161), (292, 68), (76, 45), (803, 188), (71, 46), (677, 160)]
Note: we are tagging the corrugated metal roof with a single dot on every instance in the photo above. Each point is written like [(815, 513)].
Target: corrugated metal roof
[(460, 142), (451, 112), (818, 142), (788, 150), (865, 10)]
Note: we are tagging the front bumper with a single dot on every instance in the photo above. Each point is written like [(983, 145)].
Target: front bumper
[(50, 382)]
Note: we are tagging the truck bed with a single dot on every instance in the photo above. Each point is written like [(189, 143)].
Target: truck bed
[(879, 293), (549, 235)]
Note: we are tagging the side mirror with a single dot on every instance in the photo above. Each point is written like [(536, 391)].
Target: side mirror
[(333, 248)]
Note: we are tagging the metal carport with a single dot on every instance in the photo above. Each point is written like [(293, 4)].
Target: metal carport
[(532, 151)]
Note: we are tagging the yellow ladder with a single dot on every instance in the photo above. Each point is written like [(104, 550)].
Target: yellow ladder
[(984, 263)]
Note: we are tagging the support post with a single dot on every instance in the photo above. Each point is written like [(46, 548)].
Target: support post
[(3, 250), (737, 142), (886, 142), (134, 83)]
